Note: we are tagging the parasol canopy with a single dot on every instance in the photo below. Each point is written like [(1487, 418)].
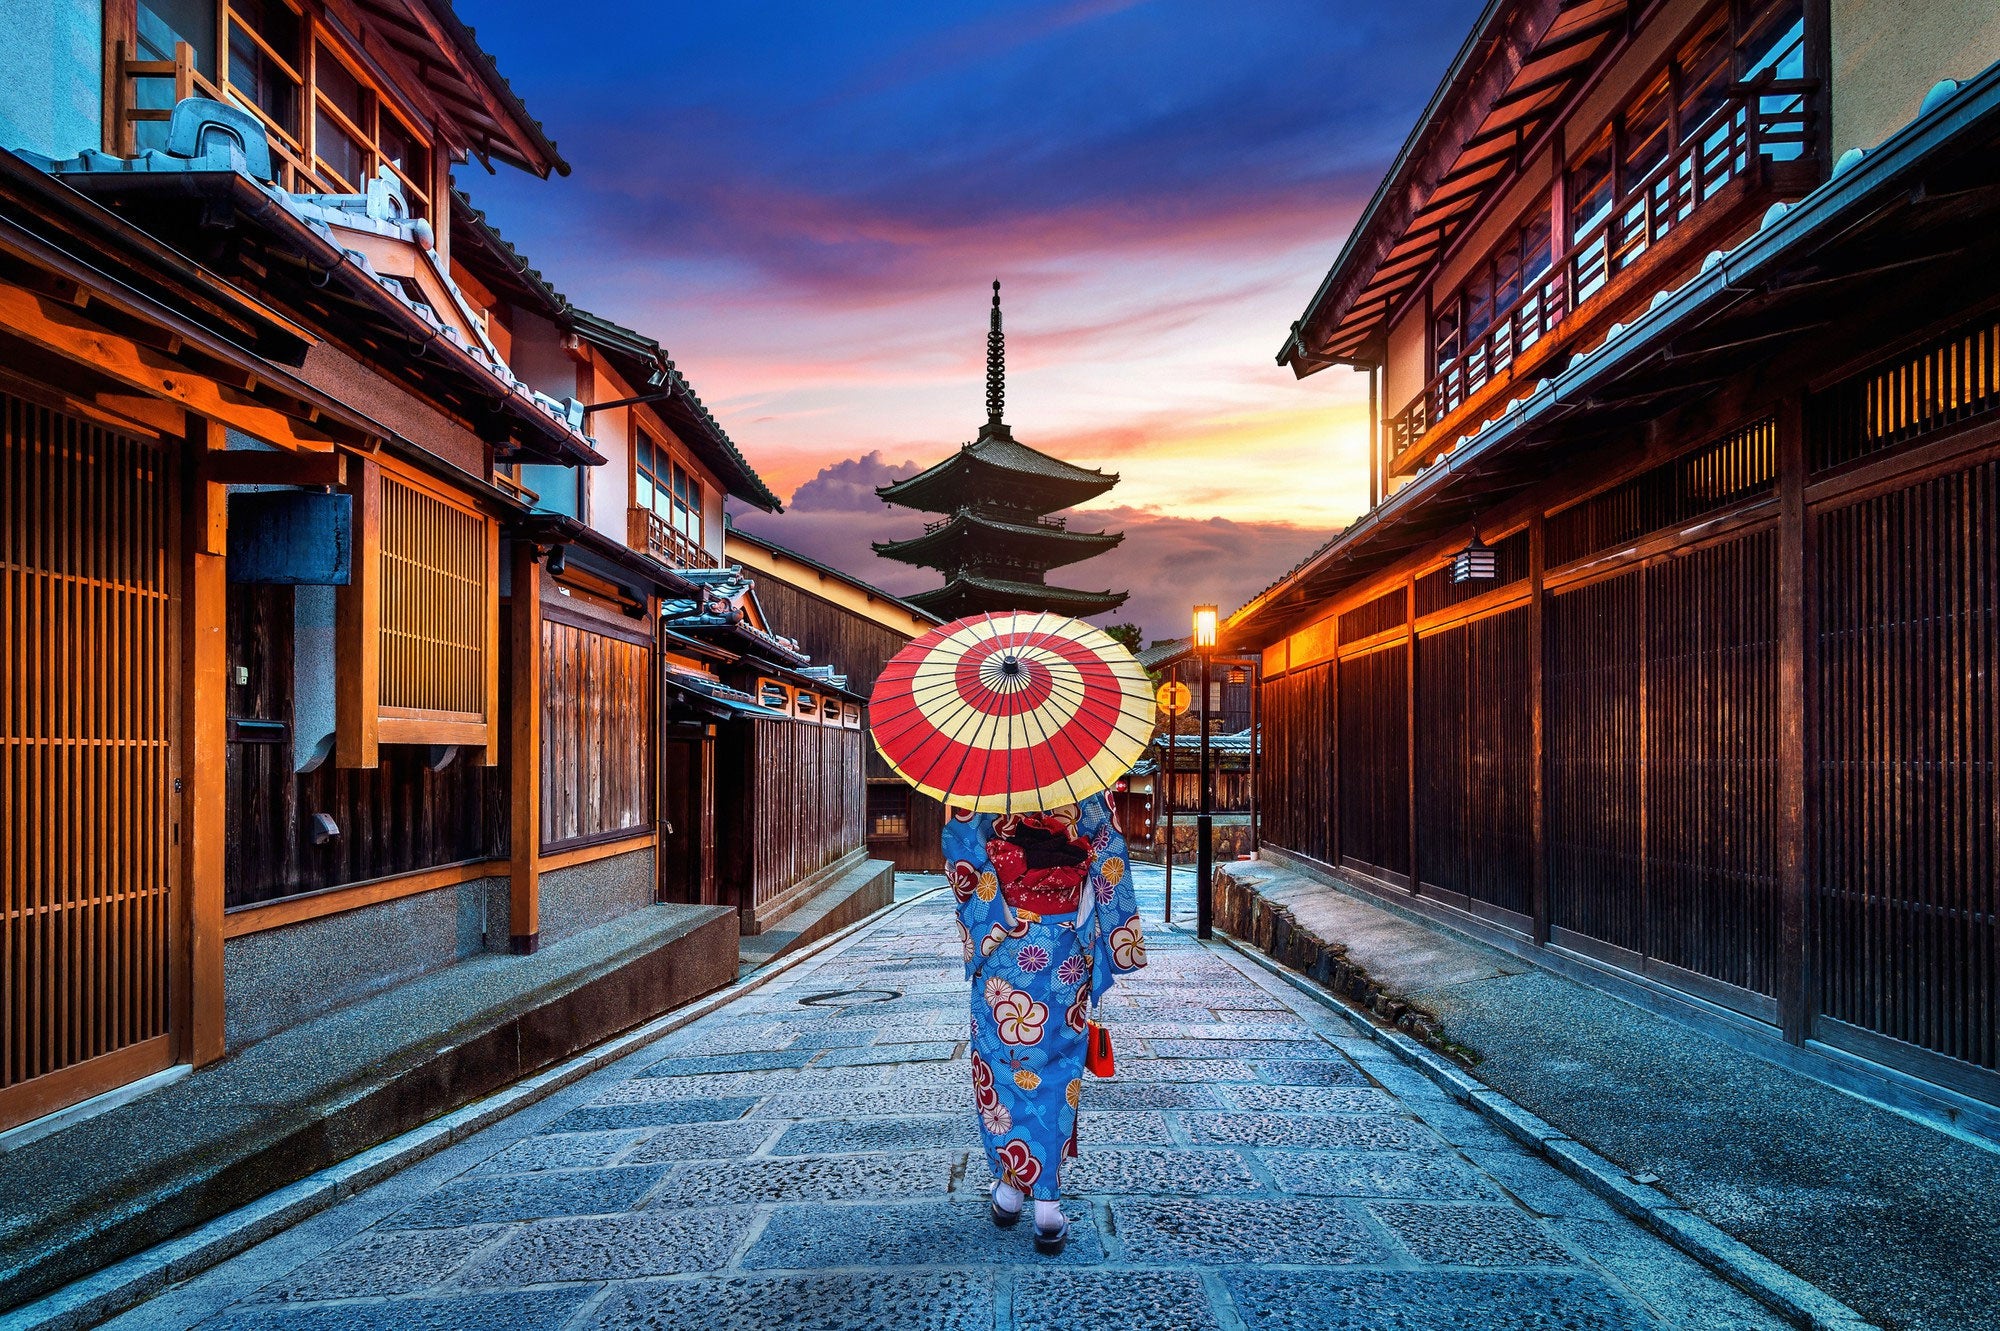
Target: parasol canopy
[(1014, 712)]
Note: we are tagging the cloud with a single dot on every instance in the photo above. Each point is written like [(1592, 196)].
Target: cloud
[(1167, 563)]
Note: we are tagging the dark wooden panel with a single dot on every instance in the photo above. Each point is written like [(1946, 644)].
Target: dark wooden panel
[(1499, 718), (1443, 761), (400, 817), (1594, 669), (1375, 759), (1711, 762), (792, 801), (1907, 828), (597, 734), (1387, 611), (1738, 467), (1295, 796)]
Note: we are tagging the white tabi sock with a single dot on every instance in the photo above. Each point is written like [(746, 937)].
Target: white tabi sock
[(1007, 1198), (1048, 1216)]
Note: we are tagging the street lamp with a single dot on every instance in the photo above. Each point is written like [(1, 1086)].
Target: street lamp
[(1204, 823)]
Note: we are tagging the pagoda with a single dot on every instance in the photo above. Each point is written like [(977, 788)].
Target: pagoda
[(996, 540)]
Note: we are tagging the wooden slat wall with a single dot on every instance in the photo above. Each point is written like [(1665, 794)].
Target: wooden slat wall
[(88, 646), (1295, 795), (1374, 747), (1670, 786), (1474, 758), (399, 817), (1711, 762), (433, 604), (597, 730), (806, 805), (1595, 757), (1907, 837)]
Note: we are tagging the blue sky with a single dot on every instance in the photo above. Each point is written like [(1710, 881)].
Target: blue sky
[(807, 202)]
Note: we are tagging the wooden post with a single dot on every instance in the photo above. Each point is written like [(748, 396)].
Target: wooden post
[(357, 629), (1410, 720), (1538, 776), (524, 837), (1794, 978), (204, 743)]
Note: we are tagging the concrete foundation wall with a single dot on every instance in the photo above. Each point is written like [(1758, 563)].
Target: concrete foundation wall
[(280, 977), (587, 895)]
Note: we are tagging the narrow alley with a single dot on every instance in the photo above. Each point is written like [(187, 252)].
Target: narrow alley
[(805, 1156)]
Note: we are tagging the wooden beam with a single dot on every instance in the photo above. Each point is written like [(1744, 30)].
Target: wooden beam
[(53, 326), (1793, 983), (1538, 782), (244, 466), (204, 747), (524, 836), (357, 629)]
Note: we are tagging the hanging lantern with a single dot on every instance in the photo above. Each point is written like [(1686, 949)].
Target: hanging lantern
[(1475, 563)]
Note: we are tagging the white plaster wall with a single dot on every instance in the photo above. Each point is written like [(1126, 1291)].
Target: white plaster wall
[(1886, 55)]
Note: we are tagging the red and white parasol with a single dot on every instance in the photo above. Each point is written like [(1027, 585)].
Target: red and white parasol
[(1009, 713)]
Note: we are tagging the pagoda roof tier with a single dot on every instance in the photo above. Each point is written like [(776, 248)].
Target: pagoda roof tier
[(973, 594), (964, 536), (997, 467)]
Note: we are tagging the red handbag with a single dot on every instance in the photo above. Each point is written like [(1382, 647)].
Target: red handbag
[(1097, 1059)]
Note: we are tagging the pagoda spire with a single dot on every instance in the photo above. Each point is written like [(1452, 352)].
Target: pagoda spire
[(996, 363)]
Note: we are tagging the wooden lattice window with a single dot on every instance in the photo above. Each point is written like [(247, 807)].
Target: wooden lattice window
[(420, 625), (89, 665)]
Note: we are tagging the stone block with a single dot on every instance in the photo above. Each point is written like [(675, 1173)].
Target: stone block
[(859, 1300), (1351, 1131), (1470, 1235), (1432, 1175), (1140, 1171), (1269, 1300), (379, 1264), (511, 1310), (937, 1233), (702, 1141), (813, 1178), (1232, 1233), (1126, 1300), (651, 1114), (614, 1247), (529, 1196), (827, 1137)]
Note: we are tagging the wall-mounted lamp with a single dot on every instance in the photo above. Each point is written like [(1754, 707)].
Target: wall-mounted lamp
[(556, 559), (1475, 563)]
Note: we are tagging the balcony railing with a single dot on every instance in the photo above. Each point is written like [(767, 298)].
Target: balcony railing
[(648, 531), (1766, 125), (1018, 519)]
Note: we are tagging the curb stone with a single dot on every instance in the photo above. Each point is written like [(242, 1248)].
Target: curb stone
[(118, 1288), (1798, 1301)]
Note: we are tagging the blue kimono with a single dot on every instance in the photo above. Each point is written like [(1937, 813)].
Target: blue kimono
[(1049, 920)]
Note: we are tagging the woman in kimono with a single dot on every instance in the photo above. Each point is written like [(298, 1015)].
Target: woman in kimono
[(1049, 920)]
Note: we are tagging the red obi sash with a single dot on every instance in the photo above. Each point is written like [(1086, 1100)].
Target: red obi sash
[(1041, 862)]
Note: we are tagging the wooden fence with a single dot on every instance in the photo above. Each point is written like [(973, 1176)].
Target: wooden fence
[(597, 735)]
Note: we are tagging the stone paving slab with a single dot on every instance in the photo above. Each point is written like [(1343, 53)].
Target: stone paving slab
[(752, 1173)]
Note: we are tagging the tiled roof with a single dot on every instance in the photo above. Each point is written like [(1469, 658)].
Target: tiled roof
[(1027, 593), (938, 487)]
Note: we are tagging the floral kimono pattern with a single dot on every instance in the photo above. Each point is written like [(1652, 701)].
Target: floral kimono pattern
[(1049, 920)]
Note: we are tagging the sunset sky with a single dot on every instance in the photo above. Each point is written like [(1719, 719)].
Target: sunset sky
[(807, 203)]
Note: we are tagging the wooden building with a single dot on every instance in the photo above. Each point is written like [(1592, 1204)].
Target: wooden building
[(997, 539), (838, 618), (1662, 653), (337, 544)]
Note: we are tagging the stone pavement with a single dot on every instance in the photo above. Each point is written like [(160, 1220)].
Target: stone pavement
[(806, 1157)]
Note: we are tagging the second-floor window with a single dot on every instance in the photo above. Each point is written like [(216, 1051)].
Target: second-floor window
[(1495, 290), (330, 126), (668, 488)]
